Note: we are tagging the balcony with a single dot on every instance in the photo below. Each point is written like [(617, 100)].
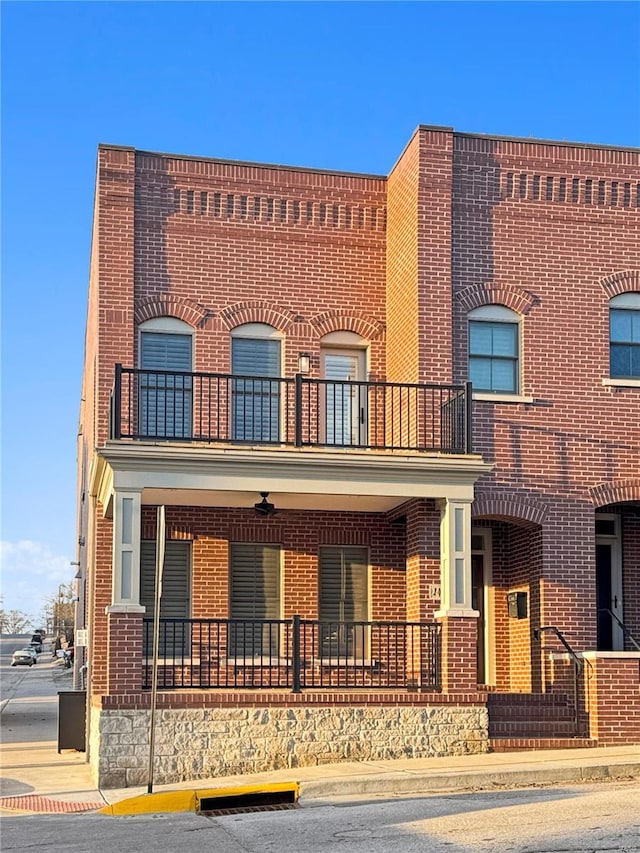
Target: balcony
[(296, 412), (295, 654)]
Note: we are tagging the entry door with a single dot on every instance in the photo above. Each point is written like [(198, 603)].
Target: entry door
[(345, 401), (482, 601), (609, 586), (477, 602)]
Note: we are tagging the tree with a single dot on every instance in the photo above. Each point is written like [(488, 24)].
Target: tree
[(15, 621), (59, 610)]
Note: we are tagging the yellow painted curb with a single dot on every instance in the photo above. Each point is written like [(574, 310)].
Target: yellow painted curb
[(189, 801)]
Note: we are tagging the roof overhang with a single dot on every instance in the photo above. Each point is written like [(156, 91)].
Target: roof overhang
[(310, 479)]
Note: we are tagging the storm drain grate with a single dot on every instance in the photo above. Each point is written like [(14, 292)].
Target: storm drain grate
[(245, 809), (254, 801), (45, 805)]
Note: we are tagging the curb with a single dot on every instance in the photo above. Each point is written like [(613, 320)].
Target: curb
[(199, 800), (416, 783)]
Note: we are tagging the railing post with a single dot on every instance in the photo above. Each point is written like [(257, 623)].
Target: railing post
[(468, 403), (295, 653), (117, 404), (298, 405)]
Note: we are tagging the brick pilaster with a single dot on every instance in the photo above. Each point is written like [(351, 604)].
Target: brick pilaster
[(124, 650), (459, 654)]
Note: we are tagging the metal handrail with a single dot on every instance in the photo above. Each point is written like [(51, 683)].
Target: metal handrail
[(296, 653), (301, 411), (627, 633), (578, 665), (552, 628)]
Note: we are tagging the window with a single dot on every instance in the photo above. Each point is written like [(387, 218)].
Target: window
[(165, 383), (344, 598), (176, 594), (256, 352), (494, 349), (254, 599), (624, 327)]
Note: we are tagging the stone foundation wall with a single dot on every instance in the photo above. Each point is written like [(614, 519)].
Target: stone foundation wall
[(202, 743)]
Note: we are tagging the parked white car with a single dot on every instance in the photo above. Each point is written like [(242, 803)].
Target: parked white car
[(23, 657)]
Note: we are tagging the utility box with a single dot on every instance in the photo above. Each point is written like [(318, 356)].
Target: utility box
[(72, 719), (517, 605)]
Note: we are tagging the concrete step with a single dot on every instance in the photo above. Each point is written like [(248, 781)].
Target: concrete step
[(543, 700), (524, 744), (541, 717), (532, 728), (537, 713)]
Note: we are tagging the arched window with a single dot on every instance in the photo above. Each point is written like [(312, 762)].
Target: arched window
[(256, 358), (165, 387), (624, 336), (494, 349)]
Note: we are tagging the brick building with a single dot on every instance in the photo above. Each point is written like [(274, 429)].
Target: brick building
[(393, 422)]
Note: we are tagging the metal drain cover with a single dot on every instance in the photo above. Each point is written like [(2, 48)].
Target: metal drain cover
[(283, 807)]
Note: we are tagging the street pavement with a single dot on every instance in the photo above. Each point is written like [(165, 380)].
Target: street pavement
[(36, 779)]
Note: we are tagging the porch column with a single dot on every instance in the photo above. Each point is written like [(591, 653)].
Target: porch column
[(458, 618), (124, 615), (125, 588)]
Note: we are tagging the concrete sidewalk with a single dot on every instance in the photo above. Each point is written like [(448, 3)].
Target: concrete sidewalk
[(36, 779)]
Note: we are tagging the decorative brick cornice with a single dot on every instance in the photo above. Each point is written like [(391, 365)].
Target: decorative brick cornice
[(256, 312), (488, 293), (343, 320), (616, 492), (621, 282), (509, 505), (167, 305)]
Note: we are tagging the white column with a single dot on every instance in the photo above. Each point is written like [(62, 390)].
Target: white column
[(126, 549), (455, 559)]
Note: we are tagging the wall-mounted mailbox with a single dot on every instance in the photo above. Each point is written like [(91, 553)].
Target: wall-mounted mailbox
[(517, 605)]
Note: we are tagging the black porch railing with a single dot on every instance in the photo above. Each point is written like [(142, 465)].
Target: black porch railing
[(295, 654), (297, 411)]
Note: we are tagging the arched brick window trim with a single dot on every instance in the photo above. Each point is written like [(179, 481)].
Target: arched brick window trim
[(256, 312), (477, 295), (512, 506), (621, 282), (613, 493), (343, 321), (170, 306)]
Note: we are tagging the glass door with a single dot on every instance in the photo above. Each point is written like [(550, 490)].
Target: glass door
[(344, 398)]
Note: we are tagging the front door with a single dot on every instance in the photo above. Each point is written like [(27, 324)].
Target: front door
[(477, 602), (608, 584), (482, 602), (345, 400)]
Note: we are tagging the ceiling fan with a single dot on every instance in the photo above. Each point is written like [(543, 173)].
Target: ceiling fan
[(263, 507)]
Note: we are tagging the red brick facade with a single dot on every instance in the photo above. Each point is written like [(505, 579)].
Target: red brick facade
[(548, 230)]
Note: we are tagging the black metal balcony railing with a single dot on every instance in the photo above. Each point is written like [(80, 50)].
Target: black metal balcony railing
[(295, 654), (297, 411)]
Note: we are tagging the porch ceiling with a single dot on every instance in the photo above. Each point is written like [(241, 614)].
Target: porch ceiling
[(307, 479)]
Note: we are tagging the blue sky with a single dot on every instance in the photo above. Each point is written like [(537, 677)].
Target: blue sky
[(329, 85)]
